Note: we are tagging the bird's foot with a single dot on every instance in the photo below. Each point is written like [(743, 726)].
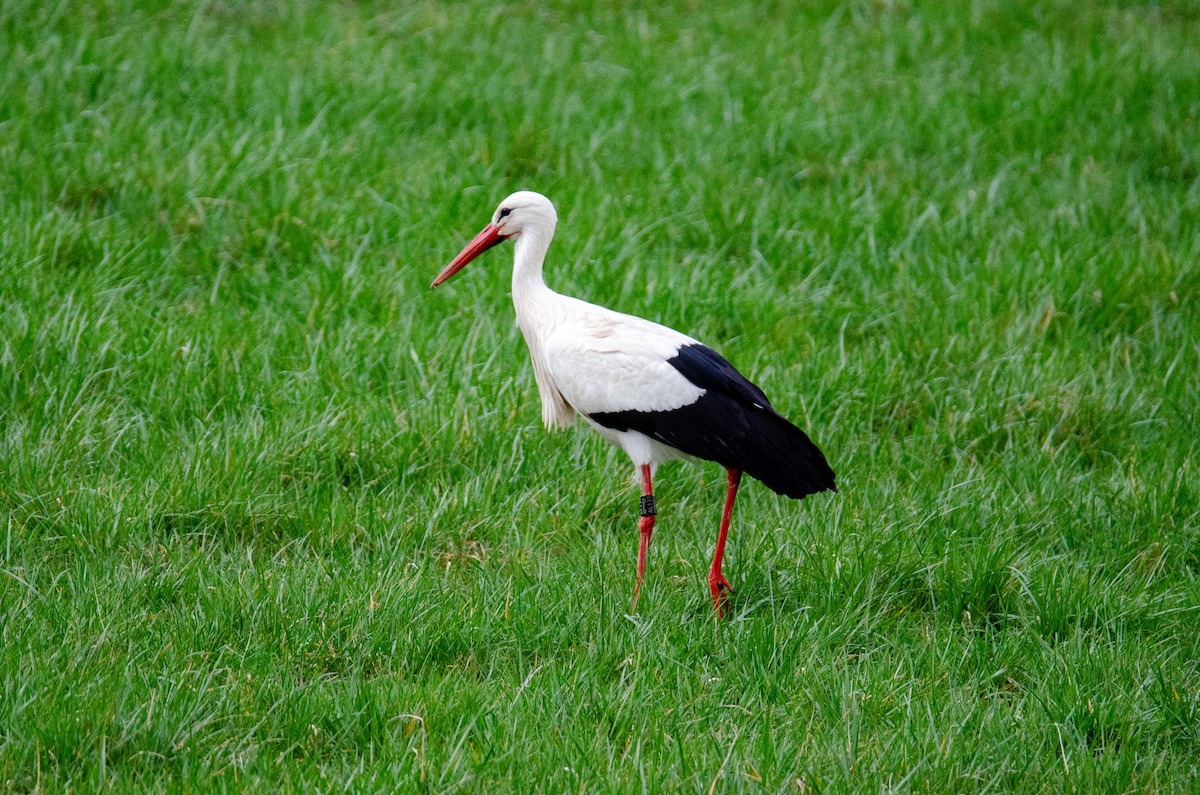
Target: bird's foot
[(720, 588)]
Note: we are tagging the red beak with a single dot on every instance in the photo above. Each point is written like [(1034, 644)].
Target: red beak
[(490, 236)]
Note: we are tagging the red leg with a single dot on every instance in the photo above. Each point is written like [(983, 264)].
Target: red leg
[(646, 529), (716, 580)]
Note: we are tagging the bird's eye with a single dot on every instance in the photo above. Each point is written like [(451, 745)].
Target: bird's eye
[(505, 211)]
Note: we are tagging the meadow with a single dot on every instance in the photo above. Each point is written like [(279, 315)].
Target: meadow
[(274, 516)]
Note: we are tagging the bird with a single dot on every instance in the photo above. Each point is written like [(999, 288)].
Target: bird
[(654, 392)]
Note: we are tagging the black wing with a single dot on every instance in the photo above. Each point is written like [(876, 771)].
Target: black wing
[(733, 424)]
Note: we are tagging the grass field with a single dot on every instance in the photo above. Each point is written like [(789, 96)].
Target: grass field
[(274, 515)]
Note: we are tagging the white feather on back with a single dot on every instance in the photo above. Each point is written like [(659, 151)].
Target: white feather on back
[(604, 361)]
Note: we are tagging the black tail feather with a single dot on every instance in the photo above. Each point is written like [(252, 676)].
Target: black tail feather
[(738, 435), (782, 456)]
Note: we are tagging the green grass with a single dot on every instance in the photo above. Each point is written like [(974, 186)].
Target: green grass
[(274, 515)]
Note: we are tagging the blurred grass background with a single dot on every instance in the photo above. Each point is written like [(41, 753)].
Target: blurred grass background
[(276, 516)]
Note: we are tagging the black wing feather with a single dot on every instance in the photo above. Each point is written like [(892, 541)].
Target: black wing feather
[(733, 424)]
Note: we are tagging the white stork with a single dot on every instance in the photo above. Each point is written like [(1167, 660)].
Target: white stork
[(655, 393)]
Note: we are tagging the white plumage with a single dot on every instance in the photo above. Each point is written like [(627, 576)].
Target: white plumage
[(654, 392)]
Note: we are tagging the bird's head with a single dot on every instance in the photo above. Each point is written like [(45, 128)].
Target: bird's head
[(524, 212)]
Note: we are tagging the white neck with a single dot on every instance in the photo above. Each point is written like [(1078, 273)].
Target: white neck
[(539, 309), (528, 286)]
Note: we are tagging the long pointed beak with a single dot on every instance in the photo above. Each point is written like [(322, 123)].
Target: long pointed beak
[(488, 237)]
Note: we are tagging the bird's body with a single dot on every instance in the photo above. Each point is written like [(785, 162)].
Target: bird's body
[(646, 388)]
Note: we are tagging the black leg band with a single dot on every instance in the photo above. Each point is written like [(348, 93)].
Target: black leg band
[(649, 506)]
